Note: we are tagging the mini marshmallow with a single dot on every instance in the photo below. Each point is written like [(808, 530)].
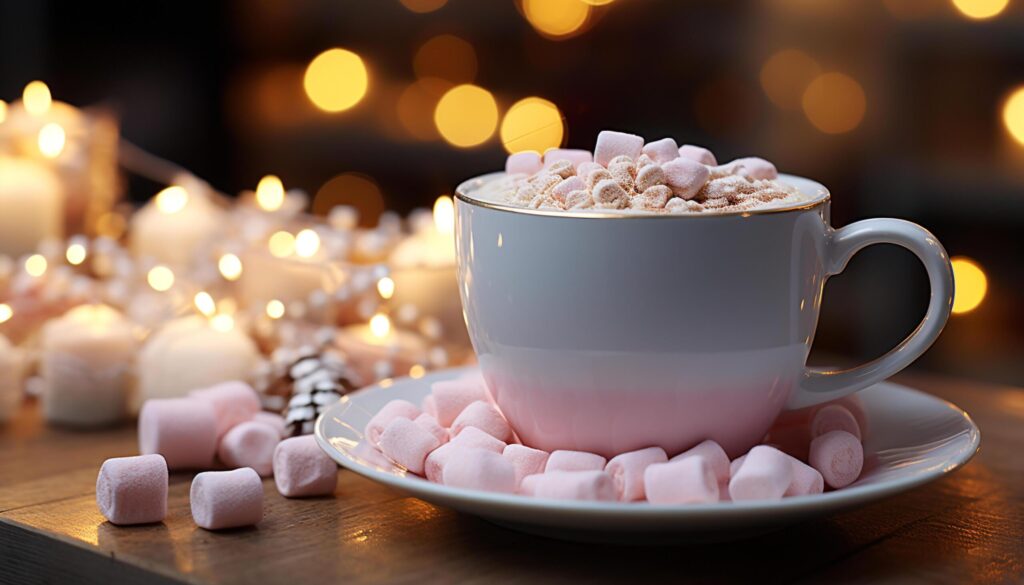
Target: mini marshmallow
[(526, 162), (627, 471), (564, 460), (682, 481), (233, 403), (765, 474), (562, 168), (567, 186), (571, 485), (576, 156), (754, 168), (698, 153), (132, 490), (273, 420), (806, 480), (834, 417), (526, 460), (451, 397), (428, 405), (183, 430), (433, 466), (250, 444), (650, 176), (429, 423), (662, 150), (301, 468), (611, 144), (609, 193), (227, 499), (715, 456), (736, 464), (480, 469), (838, 456), (586, 168), (685, 176), (484, 416), (474, 438), (407, 444), (391, 411)]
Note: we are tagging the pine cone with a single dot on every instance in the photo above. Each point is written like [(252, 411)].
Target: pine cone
[(317, 381)]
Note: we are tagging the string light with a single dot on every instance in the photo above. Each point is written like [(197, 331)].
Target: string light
[(556, 18), (834, 103), (270, 193), (75, 254), (6, 312), (51, 140), (1013, 114), (971, 284), (36, 98), (230, 267), (161, 278), (275, 309), (35, 265), (307, 243), (386, 288), (980, 9), (532, 123), (336, 80), (172, 199), (466, 115), (282, 244), (204, 302), (380, 325)]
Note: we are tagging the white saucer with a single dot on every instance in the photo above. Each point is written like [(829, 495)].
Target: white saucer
[(914, 438)]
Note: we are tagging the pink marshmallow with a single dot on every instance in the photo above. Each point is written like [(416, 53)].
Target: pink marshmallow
[(838, 456), (573, 183), (563, 460), (526, 460), (586, 168), (528, 485), (407, 444), (428, 405), (611, 144), (574, 155), (132, 490), (474, 438), (227, 499), (429, 423), (301, 468), (765, 474), (479, 469), (183, 430), (433, 466), (834, 417), (250, 444), (684, 481), (571, 485), (451, 397), (715, 456), (685, 176), (806, 480), (390, 411), (526, 162), (627, 471), (754, 168), (233, 403), (484, 416), (273, 420), (735, 465), (698, 153), (662, 150)]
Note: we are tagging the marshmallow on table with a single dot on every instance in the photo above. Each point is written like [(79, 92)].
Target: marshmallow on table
[(133, 490), (526, 460), (574, 155), (250, 444), (765, 474), (481, 470), (233, 403), (526, 162), (429, 424), (183, 430), (662, 150), (753, 167), (407, 444), (390, 411), (472, 437), (451, 397), (570, 485), (685, 176), (227, 499), (838, 456), (698, 153), (681, 481), (484, 416), (834, 417), (627, 471), (564, 460), (273, 420), (301, 468), (715, 456), (611, 144), (806, 480)]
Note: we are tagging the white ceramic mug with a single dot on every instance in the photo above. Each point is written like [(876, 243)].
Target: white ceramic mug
[(607, 332)]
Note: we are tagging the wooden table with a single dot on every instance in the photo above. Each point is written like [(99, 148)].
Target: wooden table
[(965, 528)]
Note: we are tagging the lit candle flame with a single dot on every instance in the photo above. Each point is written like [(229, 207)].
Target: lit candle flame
[(307, 242), (275, 309), (281, 244), (35, 265), (444, 215), (172, 199), (270, 193), (380, 325), (51, 140), (204, 302), (230, 267), (37, 98), (6, 312), (386, 288)]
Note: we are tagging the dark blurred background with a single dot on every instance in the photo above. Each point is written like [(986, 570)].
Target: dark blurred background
[(903, 108)]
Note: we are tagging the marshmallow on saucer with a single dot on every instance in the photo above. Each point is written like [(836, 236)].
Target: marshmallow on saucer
[(451, 397), (766, 474), (526, 460), (484, 416), (611, 144), (302, 469), (627, 471), (834, 417), (474, 438), (715, 456), (133, 490), (565, 460), (226, 499), (407, 444), (183, 430), (429, 423), (838, 456), (480, 469), (390, 411), (571, 485), (806, 480), (250, 444), (433, 465), (681, 481)]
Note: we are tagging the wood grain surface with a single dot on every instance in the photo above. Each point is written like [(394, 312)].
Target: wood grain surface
[(965, 528)]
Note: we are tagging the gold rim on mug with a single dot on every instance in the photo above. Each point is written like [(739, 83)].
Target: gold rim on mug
[(462, 194)]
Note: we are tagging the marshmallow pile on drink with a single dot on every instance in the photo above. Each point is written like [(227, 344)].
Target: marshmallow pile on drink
[(458, 437), (625, 173)]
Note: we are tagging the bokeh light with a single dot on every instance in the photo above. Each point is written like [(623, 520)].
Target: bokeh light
[(336, 80), (786, 75), (230, 267), (423, 6), (172, 199), (75, 254), (204, 303), (598, 2), (415, 107), (1013, 114), (281, 244), (161, 278), (467, 115), (6, 312), (380, 325), (354, 190), (35, 265), (446, 57), (51, 140), (532, 123), (36, 98), (980, 9), (275, 309), (444, 215), (3, 111), (307, 243), (417, 371), (971, 284), (222, 323), (556, 18), (834, 103), (386, 288), (270, 193)]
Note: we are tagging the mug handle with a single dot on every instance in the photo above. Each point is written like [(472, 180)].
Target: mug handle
[(822, 385)]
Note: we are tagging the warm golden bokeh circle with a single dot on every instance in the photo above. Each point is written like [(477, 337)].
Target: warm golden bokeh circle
[(336, 80), (1013, 114), (980, 9), (786, 75), (532, 123), (971, 285), (352, 189), (423, 6), (466, 115), (834, 103), (446, 57), (556, 18)]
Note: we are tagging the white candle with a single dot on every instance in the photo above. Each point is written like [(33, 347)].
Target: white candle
[(377, 341), (86, 364), (176, 225), (32, 204), (12, 375), (190, 353)]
